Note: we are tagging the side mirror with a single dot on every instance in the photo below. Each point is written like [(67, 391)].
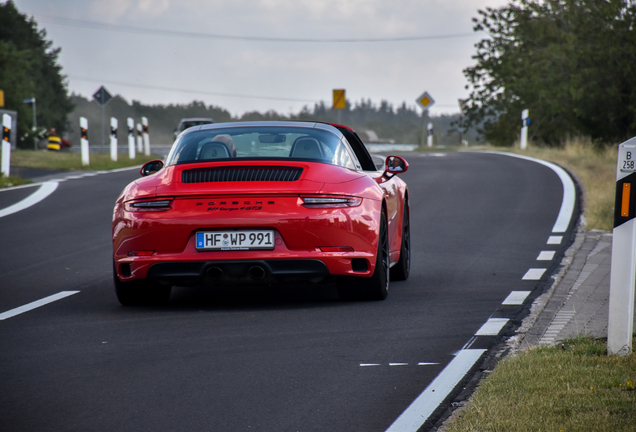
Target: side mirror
[(151, 167), (395, 165)]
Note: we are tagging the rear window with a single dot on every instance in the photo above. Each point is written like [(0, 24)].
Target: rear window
[(254, 143)]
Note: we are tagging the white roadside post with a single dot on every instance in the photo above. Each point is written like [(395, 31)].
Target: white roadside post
[(140, 145), (131, 138), (6, 144), (429, 138), (113, 139), (144, 123), (525, 121), (84, 140), (623, 271)]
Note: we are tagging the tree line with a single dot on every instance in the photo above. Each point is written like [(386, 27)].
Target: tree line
[(401, 125), (572, 63)]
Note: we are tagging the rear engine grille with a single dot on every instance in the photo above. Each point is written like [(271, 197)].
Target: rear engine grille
[(234, 174)]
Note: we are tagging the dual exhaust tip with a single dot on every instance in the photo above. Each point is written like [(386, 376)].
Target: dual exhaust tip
[(255, 272)]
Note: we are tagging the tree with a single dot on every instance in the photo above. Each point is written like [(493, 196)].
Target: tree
[(29, 69), (570, 62)]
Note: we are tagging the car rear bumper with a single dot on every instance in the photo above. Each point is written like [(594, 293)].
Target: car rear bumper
[(239, 272), (245, 271)]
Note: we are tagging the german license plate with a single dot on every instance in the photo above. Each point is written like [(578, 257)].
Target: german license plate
[(235, 240)]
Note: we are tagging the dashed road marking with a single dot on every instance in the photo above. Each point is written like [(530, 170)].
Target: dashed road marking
[(555, 240), (36, 304), (546, 256), (534, 274), (492, 327), (516, 298), (397, 364)]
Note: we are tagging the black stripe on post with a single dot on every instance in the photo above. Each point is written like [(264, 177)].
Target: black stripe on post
[(625, 204)]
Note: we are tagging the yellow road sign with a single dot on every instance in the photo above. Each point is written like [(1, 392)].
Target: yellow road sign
[(339, 101), (425, 100), (1, 98)]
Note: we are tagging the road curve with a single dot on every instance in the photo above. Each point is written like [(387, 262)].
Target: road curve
[(277, 358)]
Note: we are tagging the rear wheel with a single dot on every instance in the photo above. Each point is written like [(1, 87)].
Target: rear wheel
[(400, 271), (377, 286), (141, 292)]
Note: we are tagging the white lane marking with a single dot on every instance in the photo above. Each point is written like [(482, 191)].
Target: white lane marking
[(492, 327), (569, 192), (44, 187), (396, 364), (555, 239), (423, 406), (43, 191), (516, 298), (546, 256), (534, 274), (36, 304)]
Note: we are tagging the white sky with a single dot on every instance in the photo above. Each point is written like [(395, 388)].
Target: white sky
[(254, 75)]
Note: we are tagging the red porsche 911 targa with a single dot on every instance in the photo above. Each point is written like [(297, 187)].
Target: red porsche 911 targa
[(262, 202)]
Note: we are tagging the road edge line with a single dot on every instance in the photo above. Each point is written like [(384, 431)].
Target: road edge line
[(436, 392)]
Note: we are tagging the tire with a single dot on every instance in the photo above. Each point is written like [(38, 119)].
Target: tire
[(401, 270), (141, 292), (377, 286)]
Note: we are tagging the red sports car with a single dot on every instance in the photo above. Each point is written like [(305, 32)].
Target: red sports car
[(262, 202)]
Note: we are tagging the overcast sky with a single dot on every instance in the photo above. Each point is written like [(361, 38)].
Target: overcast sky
[(246, 55)]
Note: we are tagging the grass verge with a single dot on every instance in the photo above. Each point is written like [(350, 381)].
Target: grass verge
[(570, 387), (72, 161), (10, 181)]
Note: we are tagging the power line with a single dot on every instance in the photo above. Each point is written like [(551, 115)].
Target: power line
[(164, 32), (163, 88)]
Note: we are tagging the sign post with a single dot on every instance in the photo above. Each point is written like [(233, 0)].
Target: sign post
[(144, 124), (429, 138), (6, 144), (131, 138), (113, 139), (102, 97), (84, 140), (623, 269), (525, 121), (425, 101)]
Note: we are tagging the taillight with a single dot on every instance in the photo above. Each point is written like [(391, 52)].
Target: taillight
[(336, 249), (141, 253), (148, 206), (330, 202)]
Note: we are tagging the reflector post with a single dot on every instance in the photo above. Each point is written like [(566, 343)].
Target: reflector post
[(627, 187)]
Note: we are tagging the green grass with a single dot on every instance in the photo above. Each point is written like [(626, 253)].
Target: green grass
[(10, 181), (570, 387), (73, 161)]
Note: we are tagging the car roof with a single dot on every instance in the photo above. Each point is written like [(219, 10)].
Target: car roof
[(266, 123), (196, 119)]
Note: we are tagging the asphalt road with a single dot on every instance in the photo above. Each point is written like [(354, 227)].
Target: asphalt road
[(263, 359)]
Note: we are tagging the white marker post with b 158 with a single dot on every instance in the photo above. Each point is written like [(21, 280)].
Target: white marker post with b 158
[(623, 272)]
